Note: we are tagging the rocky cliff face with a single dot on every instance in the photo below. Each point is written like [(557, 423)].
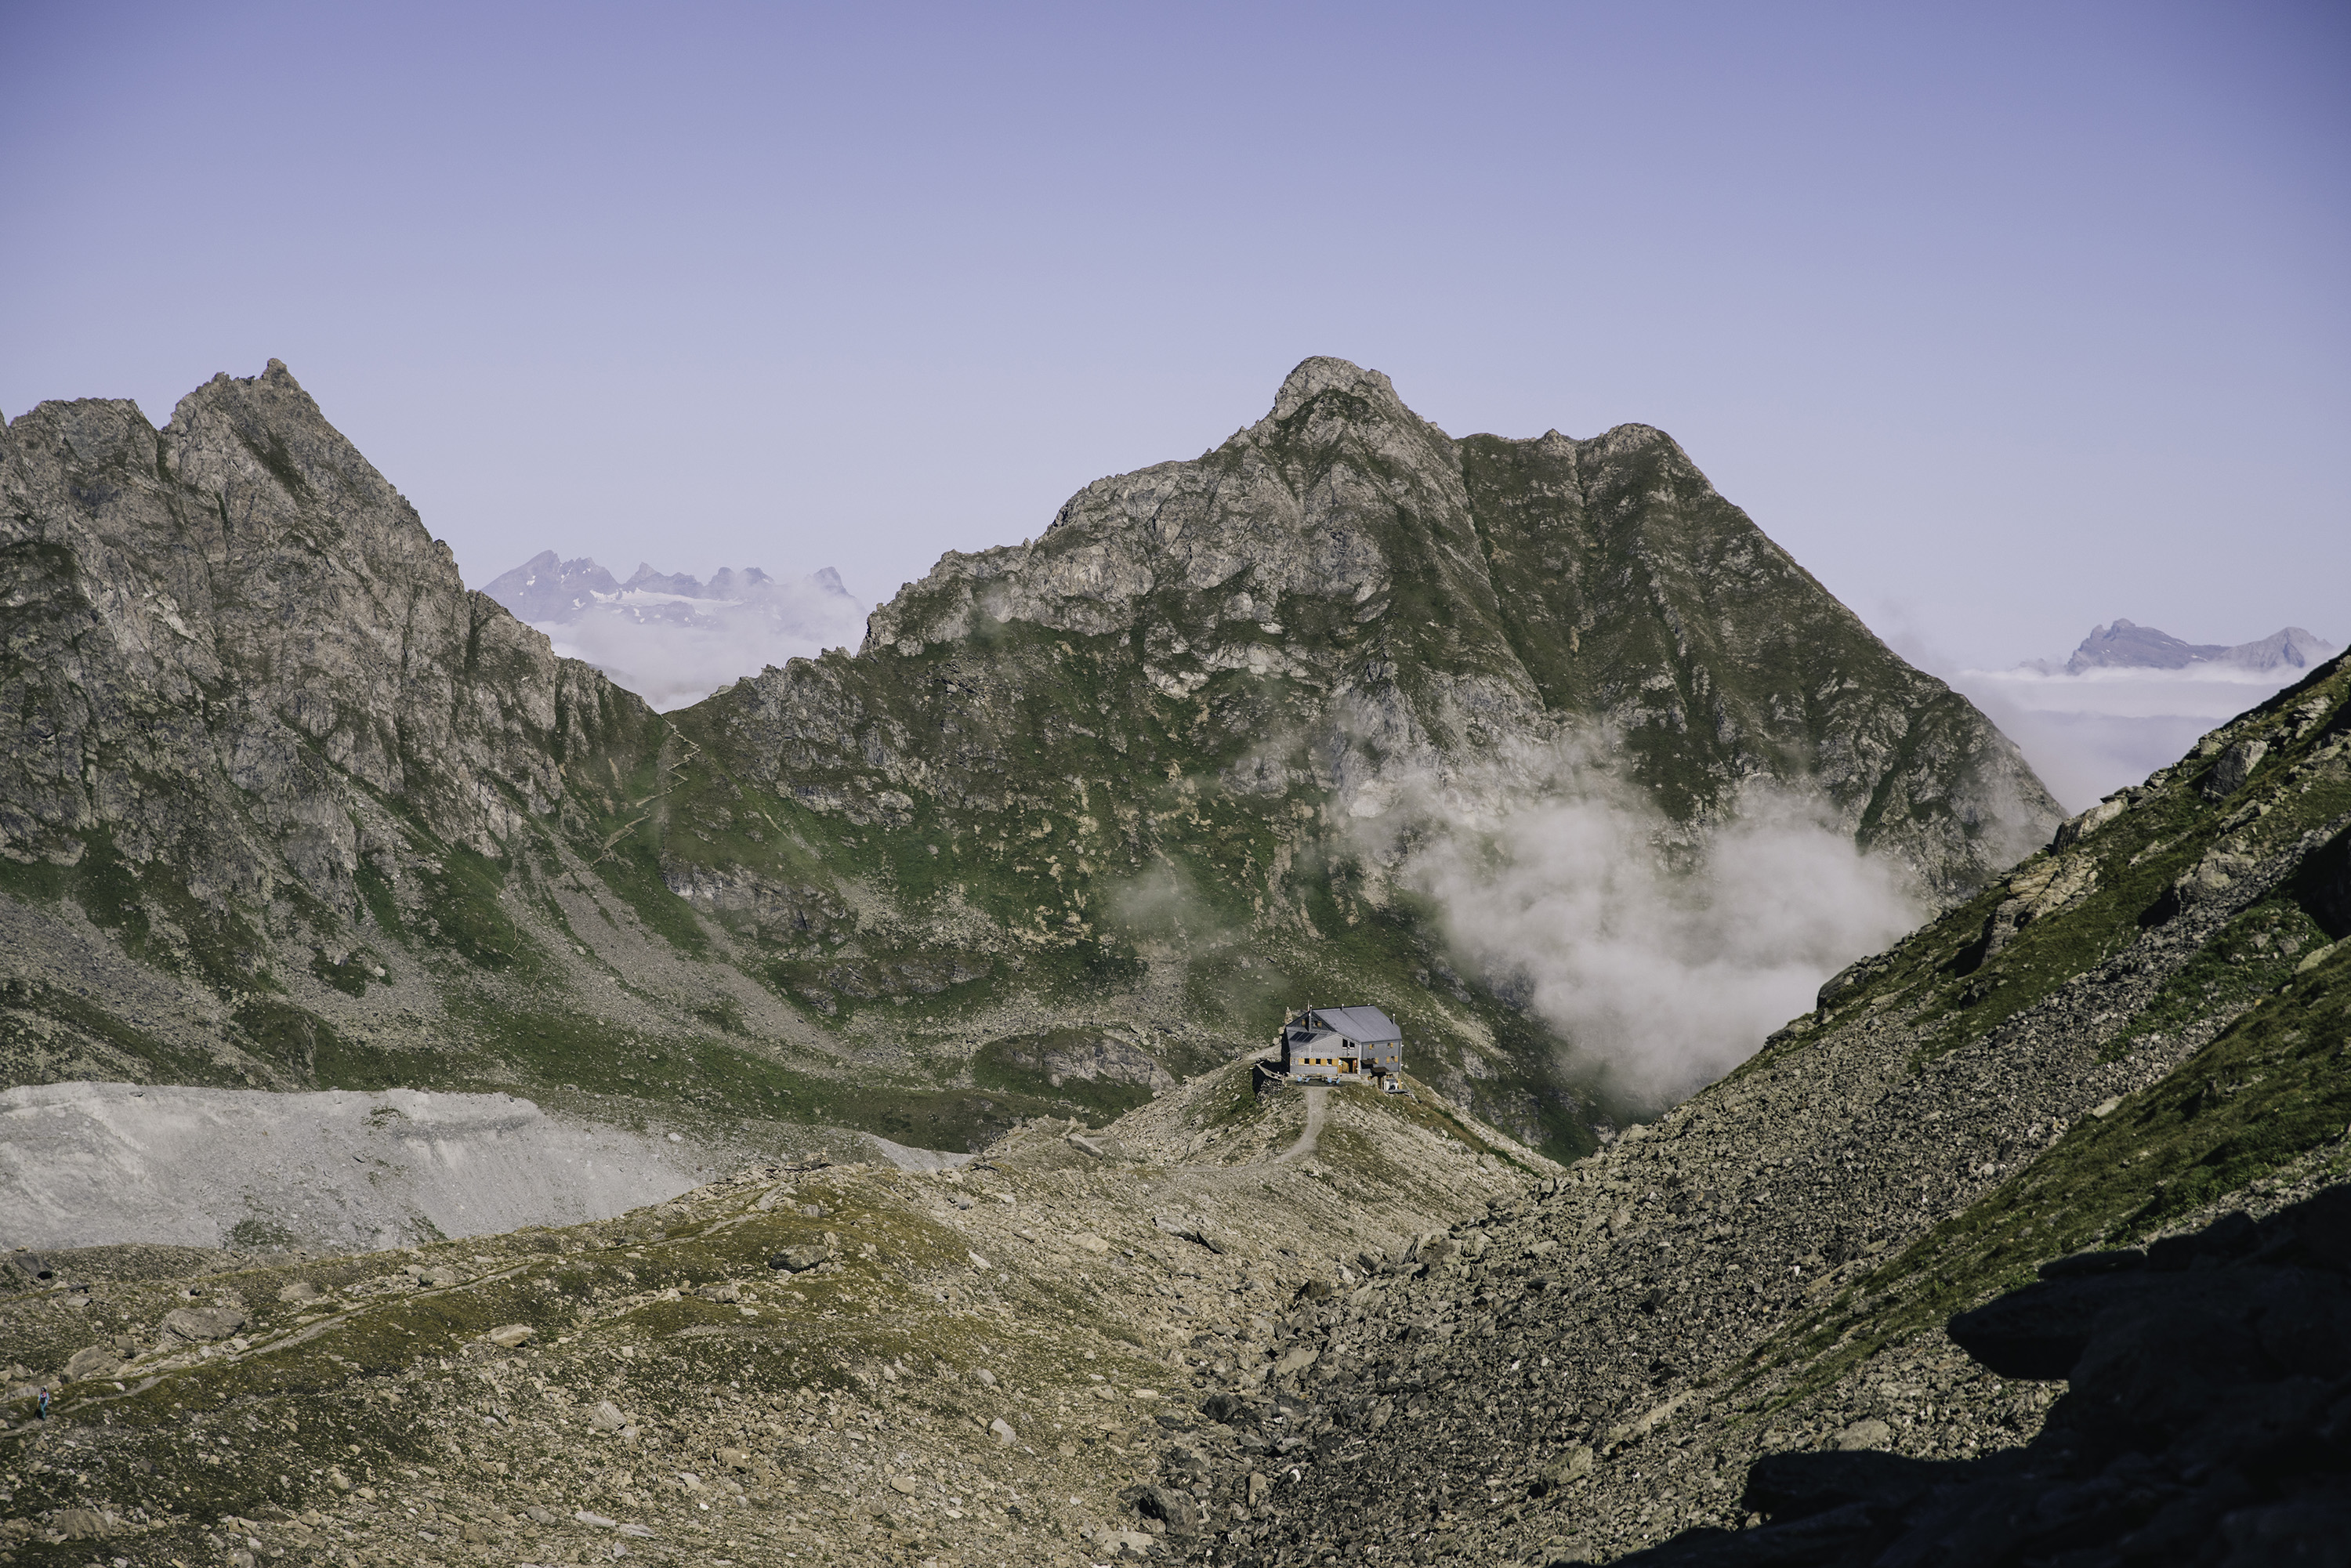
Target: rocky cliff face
[(272, 772), (285, 804), (1383, 597), (228, 632)]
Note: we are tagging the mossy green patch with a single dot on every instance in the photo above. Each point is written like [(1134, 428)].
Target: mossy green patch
[(464, 909), (286, 1037)]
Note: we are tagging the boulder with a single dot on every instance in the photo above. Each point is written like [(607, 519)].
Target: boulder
[(1295, 1360), (1224, 1408), (1865, 1435), (78, 1523), (1173, 1508), (2236, 765), (799, 1259), (96, 1360), (202, 1324), (1572, 1466)]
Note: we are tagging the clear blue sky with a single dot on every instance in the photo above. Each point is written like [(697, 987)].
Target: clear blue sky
[(2004, 318)]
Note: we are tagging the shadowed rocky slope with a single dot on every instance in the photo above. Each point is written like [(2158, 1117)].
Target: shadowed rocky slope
[(2207, 1419)]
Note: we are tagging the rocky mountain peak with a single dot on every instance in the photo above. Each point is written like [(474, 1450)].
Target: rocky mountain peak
[(236, 642), (2126, 645), (1321, 374), (1429, 591), (1161, 764)]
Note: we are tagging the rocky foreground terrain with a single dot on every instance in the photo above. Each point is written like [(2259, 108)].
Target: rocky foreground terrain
[(2091, 1125), (283, 806), (817, 1364)]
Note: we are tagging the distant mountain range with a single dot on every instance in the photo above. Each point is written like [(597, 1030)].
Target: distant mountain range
[(547, 589), (672, 638), (2127, 645)]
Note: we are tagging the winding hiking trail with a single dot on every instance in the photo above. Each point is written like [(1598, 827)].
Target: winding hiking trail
[(1183, 1178)]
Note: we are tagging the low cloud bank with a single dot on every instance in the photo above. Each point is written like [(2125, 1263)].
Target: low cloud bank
[(2089, 735), (673, 639), (675, 663), (1664, 956)]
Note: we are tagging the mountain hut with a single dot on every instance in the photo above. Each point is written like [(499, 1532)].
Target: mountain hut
[(1342, 1045)]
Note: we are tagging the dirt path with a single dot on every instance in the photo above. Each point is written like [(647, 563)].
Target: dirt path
[(1312, 1135), (1182, 1178)]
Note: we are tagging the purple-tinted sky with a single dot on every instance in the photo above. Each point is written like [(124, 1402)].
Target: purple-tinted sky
[(2004, 318)]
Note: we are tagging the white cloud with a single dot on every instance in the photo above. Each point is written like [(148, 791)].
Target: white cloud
[(2089, 735), (1664, 955), (673, 651)]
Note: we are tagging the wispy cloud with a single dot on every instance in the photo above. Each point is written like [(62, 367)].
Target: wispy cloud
[(1662, 954)]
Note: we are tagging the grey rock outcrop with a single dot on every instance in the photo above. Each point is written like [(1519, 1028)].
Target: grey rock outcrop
[(202, 1325)]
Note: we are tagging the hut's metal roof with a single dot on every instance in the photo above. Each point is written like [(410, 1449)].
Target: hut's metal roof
[(1364, 1024)]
